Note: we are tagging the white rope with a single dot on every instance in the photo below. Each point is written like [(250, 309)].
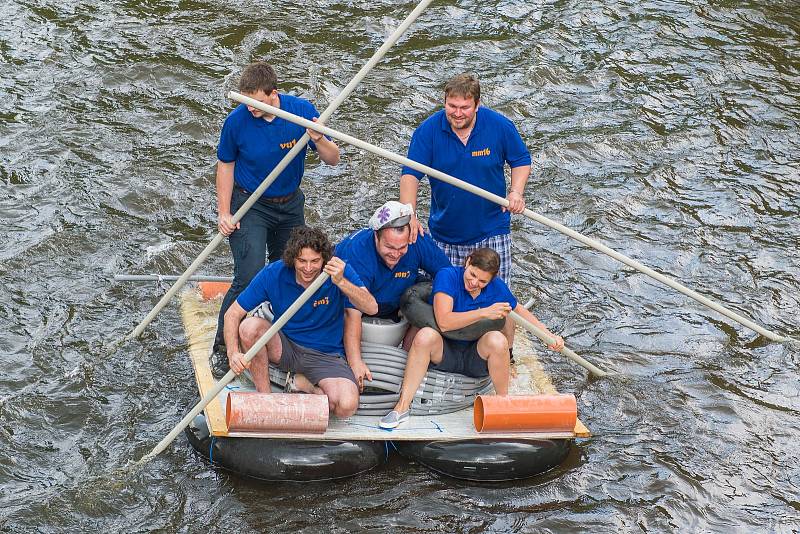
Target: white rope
[(376, 57), (503, 202)]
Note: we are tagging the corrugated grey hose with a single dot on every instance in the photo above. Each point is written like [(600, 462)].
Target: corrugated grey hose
[(438, 393)]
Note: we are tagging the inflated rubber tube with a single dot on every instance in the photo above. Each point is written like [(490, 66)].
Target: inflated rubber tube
[(487, 460), (285, 459), (414, 306)]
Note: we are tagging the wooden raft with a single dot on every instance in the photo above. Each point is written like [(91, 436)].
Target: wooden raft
[(529, 378)]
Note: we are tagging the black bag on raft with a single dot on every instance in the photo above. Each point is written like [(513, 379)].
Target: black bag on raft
[(415, 308)]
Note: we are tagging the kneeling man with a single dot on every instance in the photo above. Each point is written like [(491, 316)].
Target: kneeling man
[(463, 296), (310, 343)]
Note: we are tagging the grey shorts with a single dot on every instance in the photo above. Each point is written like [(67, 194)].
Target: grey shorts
[(461, 357), (311, 363)]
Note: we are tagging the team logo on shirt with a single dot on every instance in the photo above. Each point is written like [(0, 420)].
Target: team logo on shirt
[(290, 144), (402, 274), (321, 302), (484, 152)]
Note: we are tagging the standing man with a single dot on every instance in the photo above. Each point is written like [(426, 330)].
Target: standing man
[(251, 144), (387, 264), (310, 343), (472, 143)]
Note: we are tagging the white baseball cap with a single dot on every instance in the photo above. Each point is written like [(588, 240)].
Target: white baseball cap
[(392, 214)]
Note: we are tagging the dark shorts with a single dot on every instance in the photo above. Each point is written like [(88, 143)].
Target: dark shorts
[(462, 357), (311, 363)]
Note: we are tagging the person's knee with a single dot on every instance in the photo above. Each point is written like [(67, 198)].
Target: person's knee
[(250, 330), (346, 406), (344, 400), (426, 338), (496, 343)]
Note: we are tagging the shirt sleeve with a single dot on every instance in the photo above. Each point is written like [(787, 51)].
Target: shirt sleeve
[(505, 294), (517, 154), (420, 150), (354, 279), (228, 148), (432, 259), (310, 112), (445, 282), (256, 291)]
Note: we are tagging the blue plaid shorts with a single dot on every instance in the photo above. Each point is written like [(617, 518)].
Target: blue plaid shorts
[(499, 243)]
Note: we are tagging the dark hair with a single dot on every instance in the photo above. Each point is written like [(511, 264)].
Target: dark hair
[(464, 85), (485, 259), (307, 237), (257, 76), (397, 230)]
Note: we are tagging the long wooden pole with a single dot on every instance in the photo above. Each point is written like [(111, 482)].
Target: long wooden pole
[(368, 66), (168, 278), (503, 202), (548, 340), (212, 394)]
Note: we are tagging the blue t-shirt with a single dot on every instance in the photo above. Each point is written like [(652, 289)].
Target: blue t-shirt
[(387, 285), (458, 217), (451, 282), (319, 323), (257, 146)]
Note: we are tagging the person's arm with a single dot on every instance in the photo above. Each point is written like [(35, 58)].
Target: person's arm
[(224, 193), (523, 312), (516, 193), (409, 186), (360, 297), (328, 150), (233, 318), (448, 320), (352, 346)]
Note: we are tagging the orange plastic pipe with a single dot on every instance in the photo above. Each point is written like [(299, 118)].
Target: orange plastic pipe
[(525, 413), (248, 411), (213, 289)]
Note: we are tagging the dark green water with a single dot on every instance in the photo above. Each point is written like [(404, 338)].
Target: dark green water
[(667, 129)]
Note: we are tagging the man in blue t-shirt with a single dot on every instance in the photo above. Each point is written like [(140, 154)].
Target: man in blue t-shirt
[(474, 144), (388, 265), (463, 296), (251, 145), (310, 343)]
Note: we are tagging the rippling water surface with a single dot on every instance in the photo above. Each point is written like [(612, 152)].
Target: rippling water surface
[(666, 129)]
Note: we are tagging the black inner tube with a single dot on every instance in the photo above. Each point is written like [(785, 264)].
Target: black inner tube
[(415, 308)]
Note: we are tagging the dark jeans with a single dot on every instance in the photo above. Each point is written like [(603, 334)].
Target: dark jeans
[(265, 227)]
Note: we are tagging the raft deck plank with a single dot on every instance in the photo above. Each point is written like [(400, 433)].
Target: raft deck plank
[(200, 318)]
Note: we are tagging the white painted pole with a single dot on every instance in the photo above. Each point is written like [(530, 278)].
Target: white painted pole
[(376, 57), (548, 340), (503, 202), (211, 395), (168, 278)]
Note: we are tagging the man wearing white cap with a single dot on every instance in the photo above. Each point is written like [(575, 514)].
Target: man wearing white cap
[(387, 264)]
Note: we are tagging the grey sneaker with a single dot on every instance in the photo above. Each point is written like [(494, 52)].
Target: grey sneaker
[(394, 419), (218, 361)]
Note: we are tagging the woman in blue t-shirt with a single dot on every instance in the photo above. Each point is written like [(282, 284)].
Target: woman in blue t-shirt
[(463, 296)]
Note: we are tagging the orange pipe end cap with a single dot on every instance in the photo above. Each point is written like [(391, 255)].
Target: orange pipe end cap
[(211, 290)]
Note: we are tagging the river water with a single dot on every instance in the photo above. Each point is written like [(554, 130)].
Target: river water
[(666, 129)]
